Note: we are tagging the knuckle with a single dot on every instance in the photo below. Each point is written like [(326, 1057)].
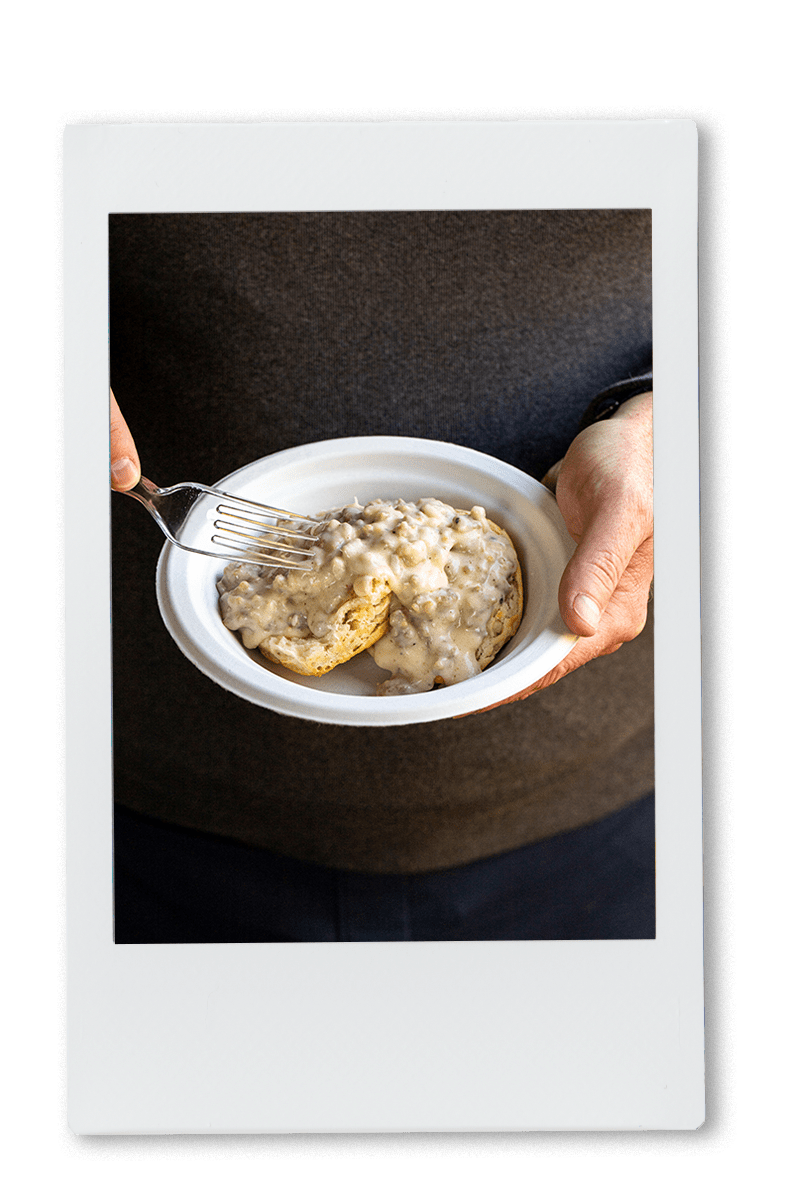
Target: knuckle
[(607, 568)]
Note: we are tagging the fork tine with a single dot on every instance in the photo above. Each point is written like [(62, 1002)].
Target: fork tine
[(254, 539), (251, 518), (249, 542), (243, 504), (249, 530)]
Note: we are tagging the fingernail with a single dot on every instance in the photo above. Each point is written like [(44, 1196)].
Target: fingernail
[(124, 473), (586, 608)]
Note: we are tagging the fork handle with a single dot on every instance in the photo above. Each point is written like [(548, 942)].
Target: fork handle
[(148, 494), (143, 489)]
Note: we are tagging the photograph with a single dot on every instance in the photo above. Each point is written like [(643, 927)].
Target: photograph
[(396, 682), (383, 794)]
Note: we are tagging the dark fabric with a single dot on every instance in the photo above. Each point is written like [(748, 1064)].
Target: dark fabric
[(613, 397), (233, 336), (593, 883)]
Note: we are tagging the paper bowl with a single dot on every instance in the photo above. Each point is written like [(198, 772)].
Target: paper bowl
[(323, 475)]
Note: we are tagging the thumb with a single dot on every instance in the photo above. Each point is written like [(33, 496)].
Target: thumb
[(124, 459), (593, 573)]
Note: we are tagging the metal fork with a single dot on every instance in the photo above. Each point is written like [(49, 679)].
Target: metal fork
[(253, 538)]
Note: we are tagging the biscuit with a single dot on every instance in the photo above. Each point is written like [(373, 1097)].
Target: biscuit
[(431, 591), (356, 625), (504, 622)]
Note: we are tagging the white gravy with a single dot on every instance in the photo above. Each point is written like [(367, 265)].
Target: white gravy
[(448, 572)]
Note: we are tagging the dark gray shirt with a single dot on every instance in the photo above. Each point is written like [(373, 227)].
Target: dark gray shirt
[(233, 336)]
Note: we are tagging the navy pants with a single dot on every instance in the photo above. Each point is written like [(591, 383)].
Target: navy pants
[(174, 885)]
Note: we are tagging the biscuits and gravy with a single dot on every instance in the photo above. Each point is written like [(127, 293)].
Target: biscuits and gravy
[(431, 592)]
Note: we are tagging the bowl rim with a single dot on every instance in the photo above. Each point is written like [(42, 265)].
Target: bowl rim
[(289, 697)]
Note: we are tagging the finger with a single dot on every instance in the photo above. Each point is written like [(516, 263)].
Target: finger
[(124, 459), (550, 478), (593, 573)]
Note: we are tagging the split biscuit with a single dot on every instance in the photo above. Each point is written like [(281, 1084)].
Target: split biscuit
[(356, 625)]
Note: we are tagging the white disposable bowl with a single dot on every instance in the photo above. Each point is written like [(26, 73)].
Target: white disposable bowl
[(323, 475)]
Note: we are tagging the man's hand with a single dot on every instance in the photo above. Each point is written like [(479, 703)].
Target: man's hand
[(124, 459), (604, 492)]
